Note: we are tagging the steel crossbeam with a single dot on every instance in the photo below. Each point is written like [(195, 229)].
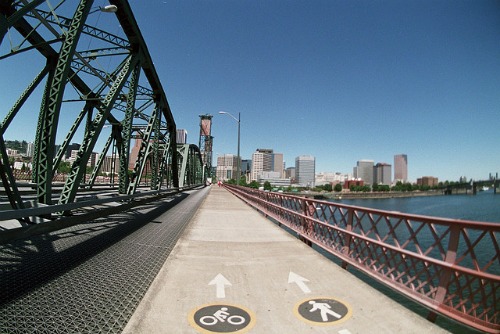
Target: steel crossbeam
[(127, 96), (452, 267)]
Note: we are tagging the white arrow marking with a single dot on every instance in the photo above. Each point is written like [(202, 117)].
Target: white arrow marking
[(299, 280), (220, 282)]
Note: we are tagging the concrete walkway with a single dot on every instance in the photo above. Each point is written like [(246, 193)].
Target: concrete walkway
[(235, 271)]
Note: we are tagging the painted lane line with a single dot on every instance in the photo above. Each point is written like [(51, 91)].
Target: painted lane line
[(299, 280), (220, 283)]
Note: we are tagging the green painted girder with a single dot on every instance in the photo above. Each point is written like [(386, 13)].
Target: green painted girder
[(190, 165), (69, 137), (100, 161), (79, 166), (144, 151), (126, 133), (9, 16), (52, 107)]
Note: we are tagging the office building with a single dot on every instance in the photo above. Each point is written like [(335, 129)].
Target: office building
[(263, 160), (364, 171), (305, 170), (290, 173), (428, 181), (227, 165), (71, 147), (383, 173), (400, 168)]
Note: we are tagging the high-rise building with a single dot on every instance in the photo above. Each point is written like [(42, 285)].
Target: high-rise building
[(226, 167), (262, 161), (383, 173), (364, 171), (278, 164), (400, 168), (71, 147), (305, 170), (182, 136), (30, 150)]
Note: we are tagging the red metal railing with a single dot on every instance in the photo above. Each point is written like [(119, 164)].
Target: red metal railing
[(452, 267)]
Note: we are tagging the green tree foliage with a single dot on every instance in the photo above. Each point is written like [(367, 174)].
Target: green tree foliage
[(338, 187), (16, 145), (267, 185), (64, 167), (254, 184)]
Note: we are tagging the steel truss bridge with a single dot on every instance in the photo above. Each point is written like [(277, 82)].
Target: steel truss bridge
[(93, 86)]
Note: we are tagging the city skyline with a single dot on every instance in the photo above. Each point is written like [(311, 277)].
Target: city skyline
[(338, 80)]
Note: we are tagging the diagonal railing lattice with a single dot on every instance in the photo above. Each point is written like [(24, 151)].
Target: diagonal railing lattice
[(452, 267)]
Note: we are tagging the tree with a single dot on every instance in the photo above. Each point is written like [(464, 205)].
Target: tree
[(254, 184), (64, 167), (328, 187), (338, 187), (267, 185)]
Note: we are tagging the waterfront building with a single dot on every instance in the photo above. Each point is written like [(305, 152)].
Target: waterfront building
[(323, 178), (265, 160), (305, 170), (94, 157), (274, 179), (364, 171), (400, 168), (227, 165), (278, 164), (353, 183), (429, 181), (383, 173), (70, 148), (290, 173), (181, 137), (110, 165)]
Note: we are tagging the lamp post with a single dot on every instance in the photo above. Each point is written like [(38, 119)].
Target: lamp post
[(105, 9), (238, 162)]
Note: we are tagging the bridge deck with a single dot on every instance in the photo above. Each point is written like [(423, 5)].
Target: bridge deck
[(257, 258)]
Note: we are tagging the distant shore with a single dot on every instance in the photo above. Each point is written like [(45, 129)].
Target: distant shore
[(371, 195)]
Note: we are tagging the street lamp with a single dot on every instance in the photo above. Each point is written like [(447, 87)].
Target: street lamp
[(105, 9), (238, 176)]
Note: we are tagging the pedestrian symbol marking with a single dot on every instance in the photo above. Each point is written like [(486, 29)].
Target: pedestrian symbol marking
[(322, 311), (221, 318)]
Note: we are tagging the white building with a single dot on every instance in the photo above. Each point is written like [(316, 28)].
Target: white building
[(227, 166)]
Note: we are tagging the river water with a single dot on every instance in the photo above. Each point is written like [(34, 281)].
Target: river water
[(485, 206)]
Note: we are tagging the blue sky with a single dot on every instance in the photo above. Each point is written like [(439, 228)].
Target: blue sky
[(339, 80)]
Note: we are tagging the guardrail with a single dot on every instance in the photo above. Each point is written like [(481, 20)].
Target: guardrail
[(452, 267), (47, 218)]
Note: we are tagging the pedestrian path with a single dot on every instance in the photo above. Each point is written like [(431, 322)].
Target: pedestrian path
[(234, 271)]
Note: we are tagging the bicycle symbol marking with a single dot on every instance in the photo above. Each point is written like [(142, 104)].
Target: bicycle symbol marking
[(222, 318), (222, 315)]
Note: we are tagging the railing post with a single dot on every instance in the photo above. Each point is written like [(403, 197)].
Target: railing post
[(446, 273), (304, 223), (347, 239)]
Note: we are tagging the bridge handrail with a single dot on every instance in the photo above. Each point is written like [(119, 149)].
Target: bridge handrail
[(433, 261)]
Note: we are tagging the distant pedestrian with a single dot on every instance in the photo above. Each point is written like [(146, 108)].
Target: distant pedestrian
[(218, 183)]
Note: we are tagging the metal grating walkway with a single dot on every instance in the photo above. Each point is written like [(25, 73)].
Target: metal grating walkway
[(89, 278)]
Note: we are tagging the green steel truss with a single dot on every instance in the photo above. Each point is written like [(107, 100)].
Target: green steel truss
[(119, 109)]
